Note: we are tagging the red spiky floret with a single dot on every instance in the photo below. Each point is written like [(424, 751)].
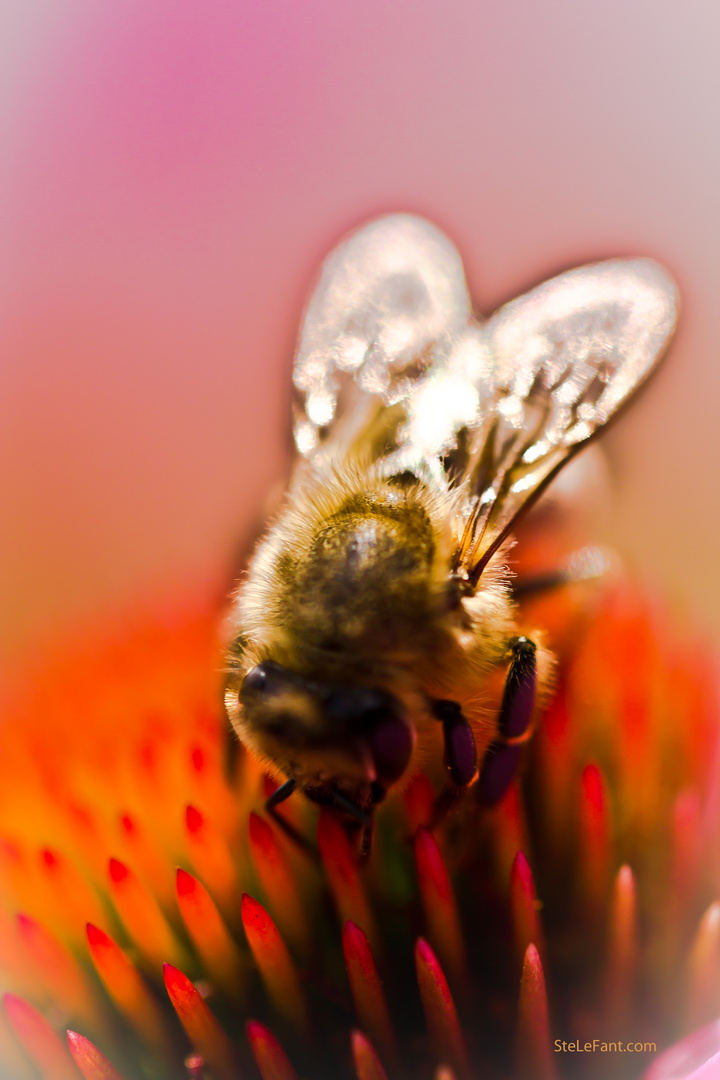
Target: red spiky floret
[(618, 813)]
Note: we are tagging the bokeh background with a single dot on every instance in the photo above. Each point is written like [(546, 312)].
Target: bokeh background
[(172, 173)]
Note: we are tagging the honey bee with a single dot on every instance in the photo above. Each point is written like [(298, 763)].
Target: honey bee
[(379, 604)]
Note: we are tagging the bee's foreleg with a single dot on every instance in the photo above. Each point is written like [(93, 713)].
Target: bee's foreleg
[(278, 796), (364, 819), (460, 749), (460, 757), (366, 840), (514, 724)]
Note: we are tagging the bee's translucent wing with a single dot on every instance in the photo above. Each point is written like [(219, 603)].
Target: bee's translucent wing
[(389, 304), (391, 366), (562, 361)]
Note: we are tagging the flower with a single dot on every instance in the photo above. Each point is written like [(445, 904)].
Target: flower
[(150, 908)]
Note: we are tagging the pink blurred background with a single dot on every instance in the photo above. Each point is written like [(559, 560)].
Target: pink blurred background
[(173, 173)]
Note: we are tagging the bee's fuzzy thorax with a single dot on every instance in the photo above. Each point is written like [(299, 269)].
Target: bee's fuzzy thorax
[(320, 497)]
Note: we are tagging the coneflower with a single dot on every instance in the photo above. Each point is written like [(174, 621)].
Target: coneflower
[(155, 924)]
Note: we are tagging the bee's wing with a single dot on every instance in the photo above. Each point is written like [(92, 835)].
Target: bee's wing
[(391, 367), (562, 360), (390, 301)]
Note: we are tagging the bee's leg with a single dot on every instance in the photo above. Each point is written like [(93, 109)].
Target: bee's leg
[(363, 819), (503, 755), (278, 796), (460, 756), (379, 791), (460, 749), (349, 807), (366, 840)]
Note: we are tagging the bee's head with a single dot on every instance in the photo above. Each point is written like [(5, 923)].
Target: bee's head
[(352, 736)]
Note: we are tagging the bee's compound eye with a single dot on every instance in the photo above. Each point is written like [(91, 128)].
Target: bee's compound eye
[(259, 680), (391, 742)]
